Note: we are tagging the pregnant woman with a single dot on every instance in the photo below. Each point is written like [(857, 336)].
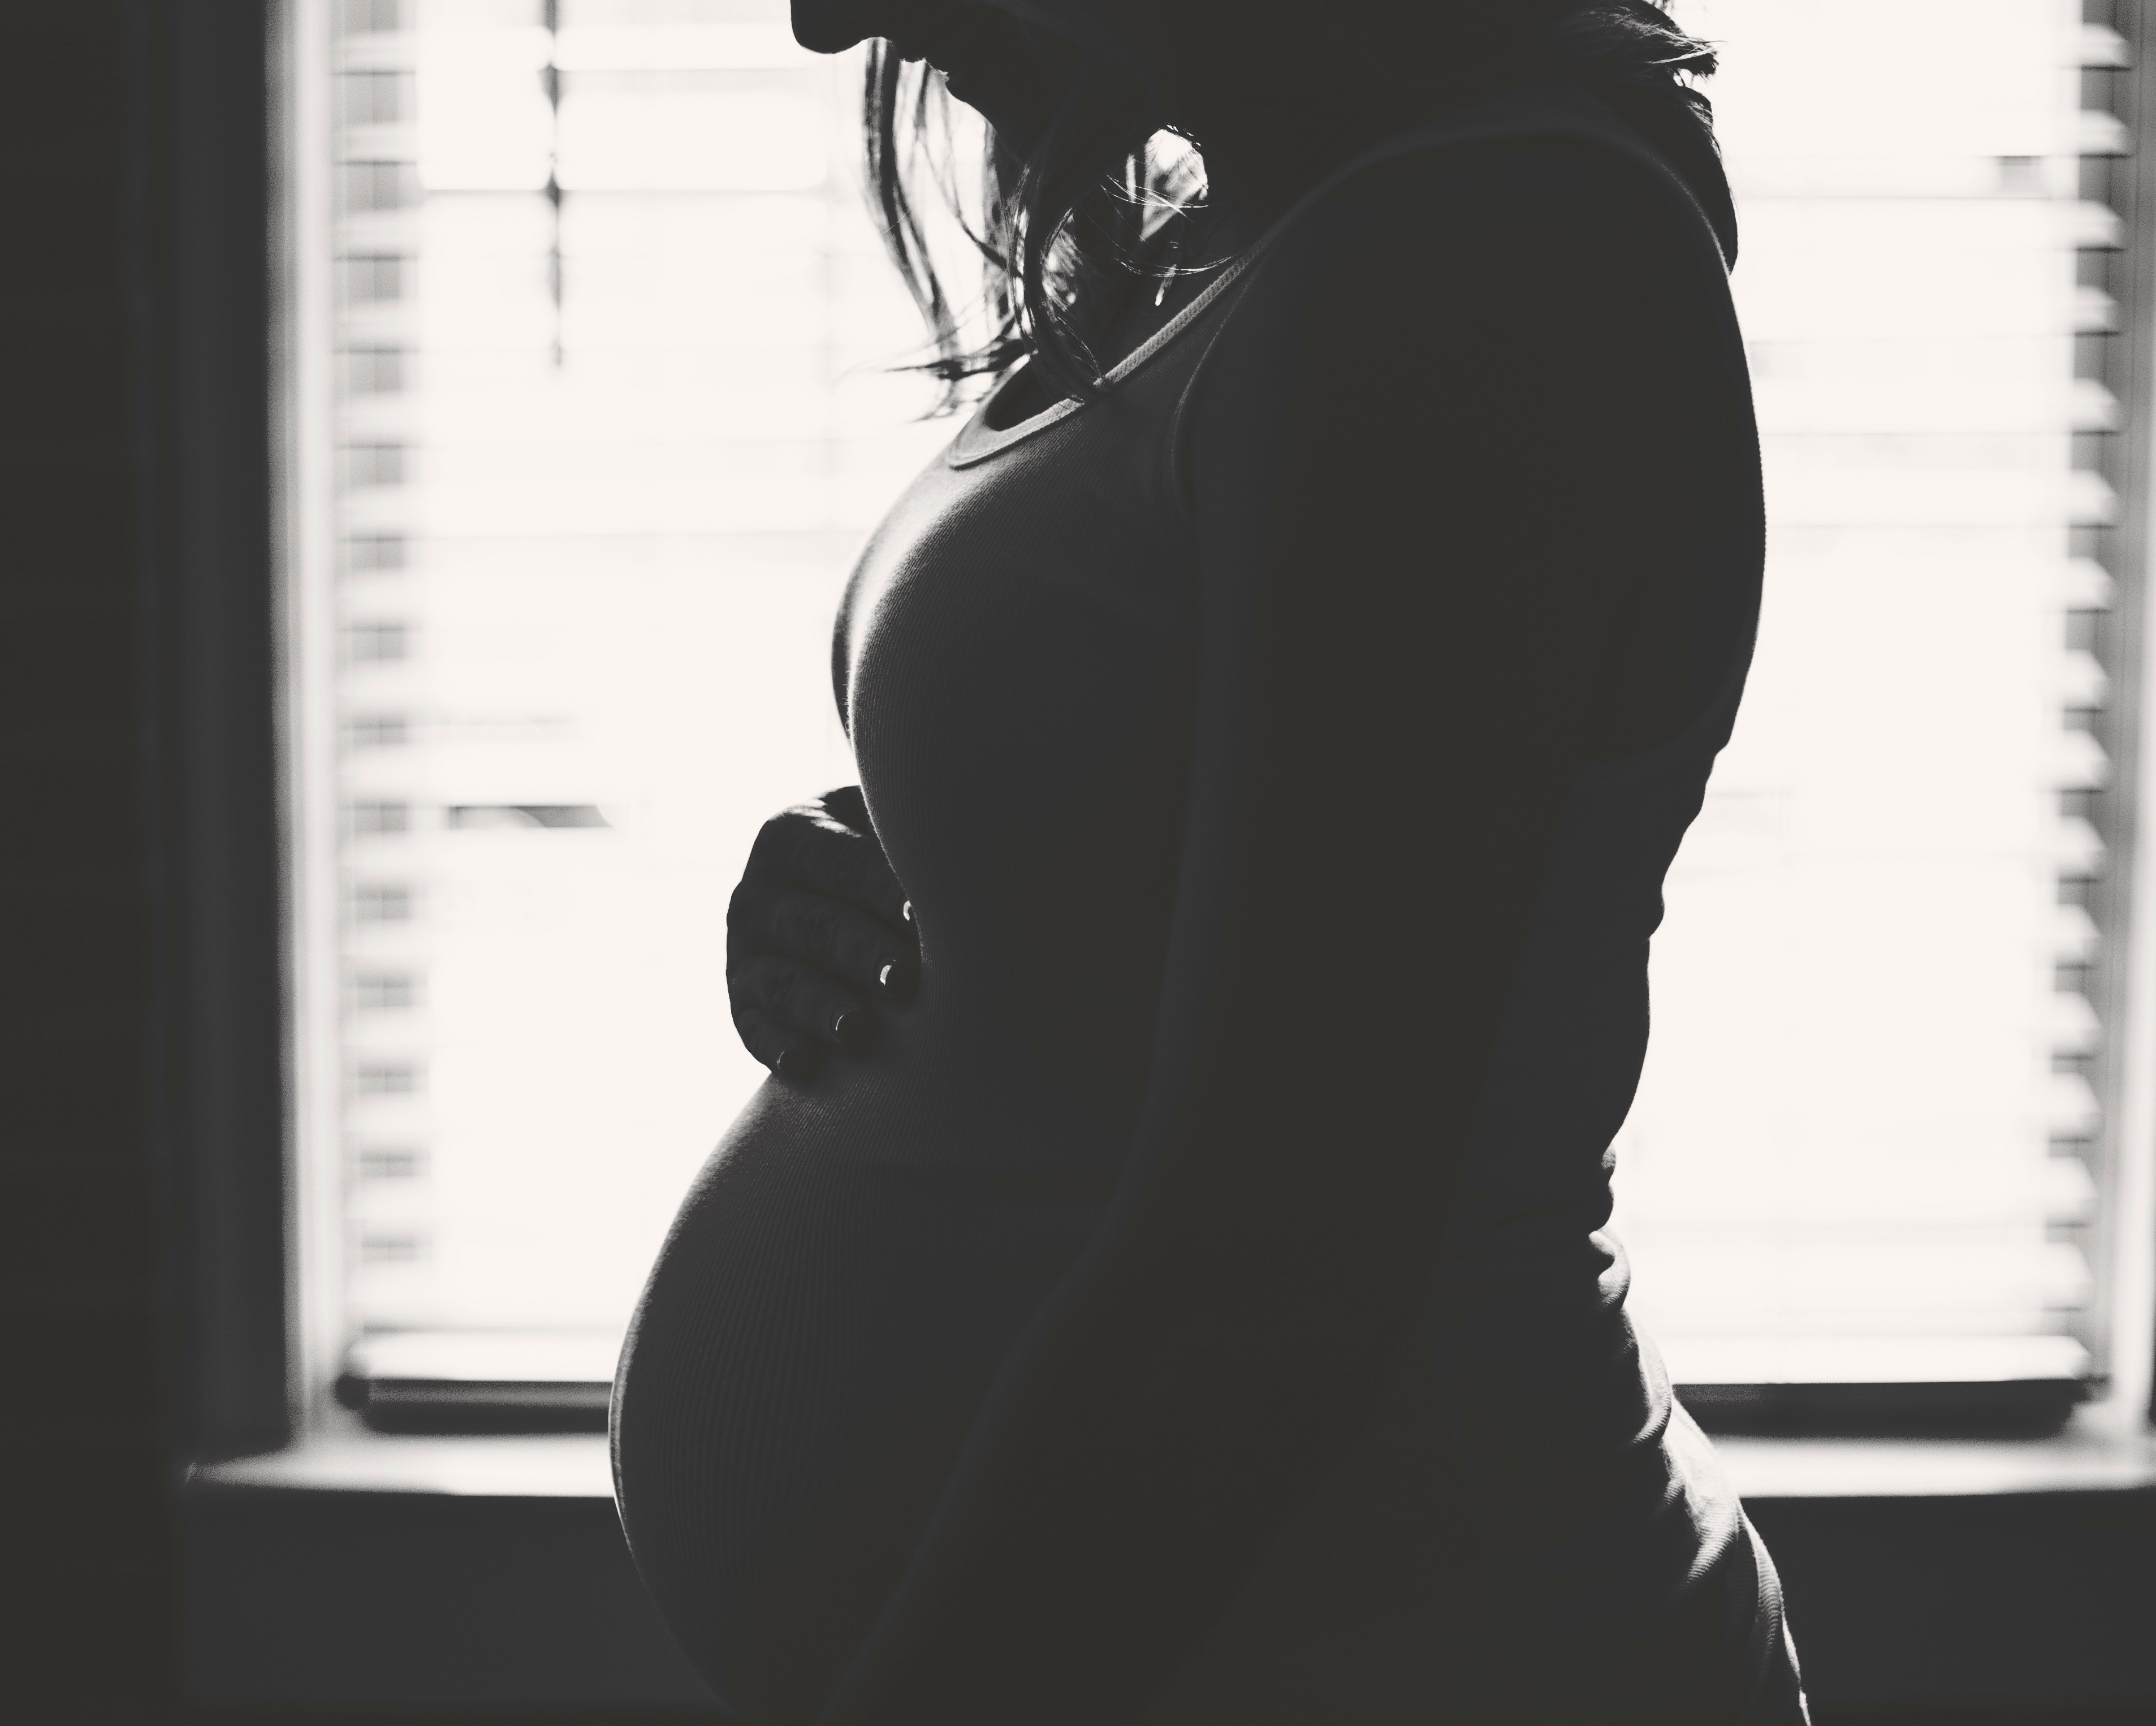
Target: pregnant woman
[(1162, 1281)]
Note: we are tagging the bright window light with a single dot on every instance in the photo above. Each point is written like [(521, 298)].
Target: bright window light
[(612, 425)]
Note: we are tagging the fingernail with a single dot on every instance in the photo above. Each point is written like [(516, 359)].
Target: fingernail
[(906, 911), (897, 980), (796, 1063), (853, 1030)]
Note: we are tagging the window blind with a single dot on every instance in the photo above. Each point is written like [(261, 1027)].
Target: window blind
[(1867, 1148), (610, 426)]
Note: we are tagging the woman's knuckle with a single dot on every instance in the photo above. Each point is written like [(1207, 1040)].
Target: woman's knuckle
[(864, 948), (831, 927), (781, 990), (808, 929), (778, 919)]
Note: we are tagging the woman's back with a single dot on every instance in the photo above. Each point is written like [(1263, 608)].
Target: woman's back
[(1110, 675)]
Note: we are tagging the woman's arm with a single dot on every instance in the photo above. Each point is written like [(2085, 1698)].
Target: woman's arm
[(1446, 465)]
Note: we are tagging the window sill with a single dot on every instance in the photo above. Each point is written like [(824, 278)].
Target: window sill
[(2093, 1454), (360, 1569), (343, 1455)]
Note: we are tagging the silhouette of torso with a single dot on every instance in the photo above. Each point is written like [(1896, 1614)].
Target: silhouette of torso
[(1080, 635)]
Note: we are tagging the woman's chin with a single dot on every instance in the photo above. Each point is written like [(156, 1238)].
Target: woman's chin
[(1012, 122)]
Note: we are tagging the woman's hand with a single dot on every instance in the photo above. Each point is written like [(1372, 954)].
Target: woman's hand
[(818, 935)]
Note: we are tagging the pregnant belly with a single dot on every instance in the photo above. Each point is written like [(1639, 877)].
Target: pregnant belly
[(846, 1276)]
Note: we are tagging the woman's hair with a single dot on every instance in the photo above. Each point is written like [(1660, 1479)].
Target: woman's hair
[(1082, 218)]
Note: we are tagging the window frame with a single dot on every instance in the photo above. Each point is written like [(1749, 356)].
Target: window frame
[(250, 1125), (2125, 1321), (2125, 1267), (297, 51), (213, 676), (279, 1484)]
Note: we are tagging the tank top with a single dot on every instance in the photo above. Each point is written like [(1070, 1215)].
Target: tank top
[(861, 1453)]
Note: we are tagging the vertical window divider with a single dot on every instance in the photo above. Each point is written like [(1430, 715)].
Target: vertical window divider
[(303, 455), (2126, 1268)]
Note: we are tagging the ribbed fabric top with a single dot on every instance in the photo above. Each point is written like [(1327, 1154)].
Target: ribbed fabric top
[(1193, 1309)]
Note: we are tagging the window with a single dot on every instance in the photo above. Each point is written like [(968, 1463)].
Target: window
[(610, 419), (1870, 1144), (609, 424)]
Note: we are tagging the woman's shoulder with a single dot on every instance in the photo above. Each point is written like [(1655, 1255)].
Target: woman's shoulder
[(1531, 243), (1449, 297), (1488, 206)]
